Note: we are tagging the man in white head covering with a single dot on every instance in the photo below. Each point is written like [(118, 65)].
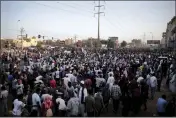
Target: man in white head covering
[(110, 81), (66, 80), (61, 104), (153, 85), (140, 78), (82, 95)]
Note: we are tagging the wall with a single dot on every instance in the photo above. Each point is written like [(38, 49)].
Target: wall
[(24, 43), (171, 34)]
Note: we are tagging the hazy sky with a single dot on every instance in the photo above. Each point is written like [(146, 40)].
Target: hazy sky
[(126, 20)]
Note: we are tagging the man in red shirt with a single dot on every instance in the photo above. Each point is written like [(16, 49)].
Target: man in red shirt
[(53, 83), (88, 83)]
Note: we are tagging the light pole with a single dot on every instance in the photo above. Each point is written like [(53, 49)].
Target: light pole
[(17, 27), (144, 38), (22, 31), (152, 34)]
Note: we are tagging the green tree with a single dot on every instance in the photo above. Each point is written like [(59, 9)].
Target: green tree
[(105, 42), (88, 43), (27, 39), (39, 44), (123, 44), (110, 44)]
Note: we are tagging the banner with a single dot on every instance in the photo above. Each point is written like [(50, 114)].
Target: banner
[(153, 41)]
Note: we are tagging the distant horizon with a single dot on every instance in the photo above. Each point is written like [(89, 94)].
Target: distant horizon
[(64, 19)]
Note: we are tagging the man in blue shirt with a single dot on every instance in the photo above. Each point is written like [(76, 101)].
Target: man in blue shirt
[(161, 105), (10, 78)]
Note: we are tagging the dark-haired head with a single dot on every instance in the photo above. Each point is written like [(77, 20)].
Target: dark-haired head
[(90, 91), (69, 84), (38, 90), (3, 88), (72, 94), (164, 97), (20, 97), (116, 82)]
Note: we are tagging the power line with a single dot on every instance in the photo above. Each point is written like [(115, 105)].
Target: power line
[(59, 8), (113, 25), (117, 21), (82, 5), (75, 7), (13, 30)]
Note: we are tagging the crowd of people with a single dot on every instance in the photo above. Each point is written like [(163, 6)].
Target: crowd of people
[(81, 82)]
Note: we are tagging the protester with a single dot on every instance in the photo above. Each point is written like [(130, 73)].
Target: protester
[(73, 106), (90, 104), (153, 85), (161, 105), (82, 95), (61, 106), (171, 107), (99, 104), (3, 100), (60, 82), (18, 106), (116, 94)]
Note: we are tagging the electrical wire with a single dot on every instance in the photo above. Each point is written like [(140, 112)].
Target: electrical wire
[(12, 29), (59, 9), (74, 7), (120, 24), (114, 25)]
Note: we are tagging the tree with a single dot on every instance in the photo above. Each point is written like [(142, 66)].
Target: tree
[(110, 44), (27, 39), (39, 44), (33, 37), (105, 42), (123, 44), (88, 43)]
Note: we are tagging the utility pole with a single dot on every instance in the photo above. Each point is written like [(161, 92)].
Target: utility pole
[(21, 32), (98, 13), (17, 27), (151, 34), (144, 39), (75, 38)]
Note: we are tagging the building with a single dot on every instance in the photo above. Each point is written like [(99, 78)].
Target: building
[(26, 42), (115, 41), (69, 41), (171, 34), (136, 43), (153, 44)]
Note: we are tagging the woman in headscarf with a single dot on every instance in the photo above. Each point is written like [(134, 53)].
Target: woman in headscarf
[(47, 107)]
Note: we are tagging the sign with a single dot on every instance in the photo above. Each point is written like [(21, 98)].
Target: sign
[(62, 42), (113, 38), (153, 41)]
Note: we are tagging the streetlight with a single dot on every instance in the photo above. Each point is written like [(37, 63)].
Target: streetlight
[(17, 27), (152, 34), (22, 31)]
